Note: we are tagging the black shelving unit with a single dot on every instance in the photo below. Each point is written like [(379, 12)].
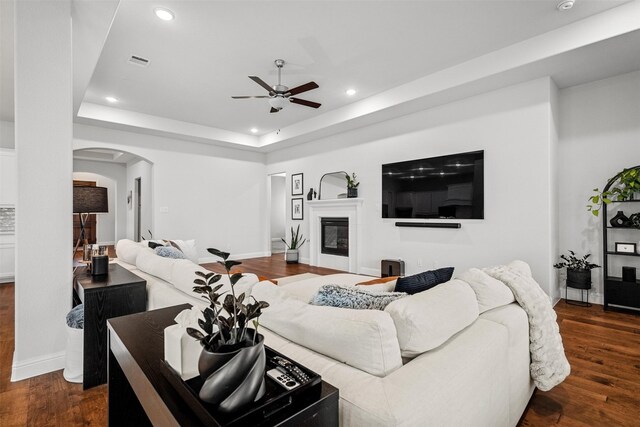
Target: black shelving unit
[(616, 291)]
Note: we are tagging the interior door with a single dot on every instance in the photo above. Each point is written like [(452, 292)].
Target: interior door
[(90, 225)]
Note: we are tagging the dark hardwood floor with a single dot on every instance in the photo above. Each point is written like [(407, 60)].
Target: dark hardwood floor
[(603, 389)]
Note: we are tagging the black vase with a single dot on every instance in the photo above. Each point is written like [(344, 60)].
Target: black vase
[(234, 379), (619, 220), (352, 193), (579, 279)]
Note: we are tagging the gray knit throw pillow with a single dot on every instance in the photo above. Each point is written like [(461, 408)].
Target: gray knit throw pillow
[(352, 297)]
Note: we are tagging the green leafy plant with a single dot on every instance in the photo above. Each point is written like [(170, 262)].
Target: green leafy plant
[(627, 184), (572, 262), (351, 180), (296, 239), (231, 316)]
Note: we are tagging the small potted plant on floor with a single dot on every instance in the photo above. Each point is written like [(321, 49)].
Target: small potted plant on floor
[(352, 185), (233, 360), (291, 254), (578, 270)]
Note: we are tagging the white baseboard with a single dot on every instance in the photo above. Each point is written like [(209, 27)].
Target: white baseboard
[(7, 278), (304, 260), (106, 243), (37, 366), (370, 271), (247, 255)]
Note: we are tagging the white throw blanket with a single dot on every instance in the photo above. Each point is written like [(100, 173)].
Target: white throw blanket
[(549, 365)]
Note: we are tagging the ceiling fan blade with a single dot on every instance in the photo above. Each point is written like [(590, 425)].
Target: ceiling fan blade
[(247, 97), (262, 83), (274, 110), (303, 88), (305, 102)]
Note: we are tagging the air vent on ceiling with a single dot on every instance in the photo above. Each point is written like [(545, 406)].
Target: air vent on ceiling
[(139, 61)]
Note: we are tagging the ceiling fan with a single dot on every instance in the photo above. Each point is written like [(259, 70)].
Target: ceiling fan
[(279, 95)]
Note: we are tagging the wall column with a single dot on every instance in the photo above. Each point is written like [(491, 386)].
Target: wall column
[(44, 134)]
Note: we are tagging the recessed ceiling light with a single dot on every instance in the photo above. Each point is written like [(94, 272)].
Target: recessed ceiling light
[(565, 4), (254, 130), (441, 173), (350, 92), (164, 14), (111, 99)]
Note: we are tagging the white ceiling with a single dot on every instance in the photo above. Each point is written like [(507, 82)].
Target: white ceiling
[(399, 55)]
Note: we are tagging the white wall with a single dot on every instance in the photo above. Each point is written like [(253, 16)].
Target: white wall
[(7, 134), (212, 194), (511, 125), (105, 222), (43, 135), (144, 171), (278, 206), (599, 136)]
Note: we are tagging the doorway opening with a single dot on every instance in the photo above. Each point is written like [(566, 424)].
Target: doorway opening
[(278, 212), (137, 209)]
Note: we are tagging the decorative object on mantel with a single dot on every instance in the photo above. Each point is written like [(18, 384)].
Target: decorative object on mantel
[(335, 181), (620, 220), (297, 184), (232, 362), (311, 194), (352, 185), (624, 186), (291, 254), (578, 275), (297, 209)]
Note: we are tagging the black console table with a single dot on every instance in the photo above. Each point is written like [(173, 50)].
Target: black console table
[(140, 395), (115, 294)]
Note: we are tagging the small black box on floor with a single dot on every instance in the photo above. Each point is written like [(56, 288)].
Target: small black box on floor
[(629, 274), (391, 267)]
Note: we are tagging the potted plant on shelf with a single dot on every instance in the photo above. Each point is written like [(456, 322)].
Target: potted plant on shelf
[(233, 360), (578, 270), (291, 254), (352, 185), (623, 186)]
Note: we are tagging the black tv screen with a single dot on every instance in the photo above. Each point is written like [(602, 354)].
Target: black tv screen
[(438, 187)]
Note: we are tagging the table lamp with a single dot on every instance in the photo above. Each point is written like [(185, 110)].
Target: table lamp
[(88, 200)]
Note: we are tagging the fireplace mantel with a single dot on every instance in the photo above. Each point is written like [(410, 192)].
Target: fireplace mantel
[(348, 208)]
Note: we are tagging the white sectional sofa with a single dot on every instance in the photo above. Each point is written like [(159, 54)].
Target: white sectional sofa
[(437, 358)]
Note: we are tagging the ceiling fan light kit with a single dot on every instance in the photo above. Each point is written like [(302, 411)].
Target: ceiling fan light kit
[(280, 95)]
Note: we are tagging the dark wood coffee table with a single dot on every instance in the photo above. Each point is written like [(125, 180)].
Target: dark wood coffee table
[(140, 395), (111, 295)]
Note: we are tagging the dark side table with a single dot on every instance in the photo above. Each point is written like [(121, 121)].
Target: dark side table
[(115, 294), (140, 395)]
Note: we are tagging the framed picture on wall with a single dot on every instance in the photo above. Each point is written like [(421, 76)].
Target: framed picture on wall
[(297, 209), (297, 184)]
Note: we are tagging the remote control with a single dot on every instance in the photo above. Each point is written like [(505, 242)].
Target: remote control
[(291, 369), (284, 379)]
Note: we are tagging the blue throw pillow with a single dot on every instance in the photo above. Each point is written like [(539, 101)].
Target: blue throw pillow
[(169, 252), (423, 281), (351, 297)]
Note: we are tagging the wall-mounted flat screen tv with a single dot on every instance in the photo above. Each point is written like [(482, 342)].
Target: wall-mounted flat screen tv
[(437, 187)]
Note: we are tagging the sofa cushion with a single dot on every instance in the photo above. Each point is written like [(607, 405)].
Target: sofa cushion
[(127, 250), (490, 292), (184, 273), (305, 289), (353, 297), (423, 281), (380, 287), (364, 339), (169, 252), (155, 265), (427, 319)]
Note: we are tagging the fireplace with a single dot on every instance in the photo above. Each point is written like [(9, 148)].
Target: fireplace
[(335, 236)]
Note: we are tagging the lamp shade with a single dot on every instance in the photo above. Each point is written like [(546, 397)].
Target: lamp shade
[(90, 200)]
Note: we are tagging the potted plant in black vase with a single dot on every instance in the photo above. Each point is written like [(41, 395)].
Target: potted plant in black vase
[(578, 270), (291, 255), (352, 185), (233, 360)]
